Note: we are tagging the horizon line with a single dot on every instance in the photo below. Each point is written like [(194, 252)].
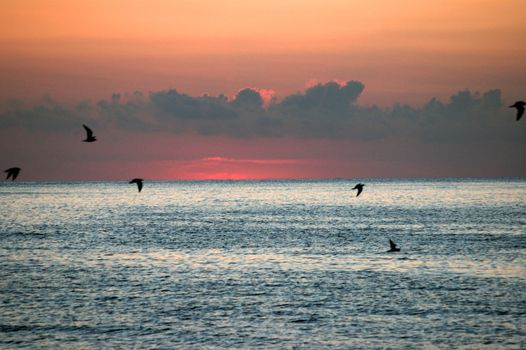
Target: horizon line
[(291, 179)]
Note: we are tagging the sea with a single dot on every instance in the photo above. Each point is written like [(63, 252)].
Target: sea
[(277, 264)]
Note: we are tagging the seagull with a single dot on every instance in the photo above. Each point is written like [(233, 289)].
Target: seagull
[(89, 135), (138, 182), (12, 173), (394, 248), (520, 108), (358, 187)]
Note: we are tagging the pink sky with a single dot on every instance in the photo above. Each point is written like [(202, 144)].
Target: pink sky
[(404, 52)]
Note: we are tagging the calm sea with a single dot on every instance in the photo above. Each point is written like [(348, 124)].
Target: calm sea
[(263, 265)]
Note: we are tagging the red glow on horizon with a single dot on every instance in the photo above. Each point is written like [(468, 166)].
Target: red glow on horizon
[(226, 176), (222, 168), (251, 161)]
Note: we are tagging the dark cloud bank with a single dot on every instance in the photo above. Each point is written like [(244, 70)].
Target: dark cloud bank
[(322, 111)]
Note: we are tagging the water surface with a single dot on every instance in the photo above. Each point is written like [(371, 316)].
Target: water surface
[(263, 264)]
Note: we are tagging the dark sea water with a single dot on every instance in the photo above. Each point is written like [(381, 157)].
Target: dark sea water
[(263, 265)]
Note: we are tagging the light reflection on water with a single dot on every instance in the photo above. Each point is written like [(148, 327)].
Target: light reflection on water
[(263, 264), (223, 260)]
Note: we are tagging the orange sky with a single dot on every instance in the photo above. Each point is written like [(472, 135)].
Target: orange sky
[(58, 53), (406, 51)]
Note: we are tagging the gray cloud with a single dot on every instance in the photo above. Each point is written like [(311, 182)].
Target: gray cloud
[(128, 112), (248, 99), (48, 116), (331, 98), (171, 105), (327, 110)]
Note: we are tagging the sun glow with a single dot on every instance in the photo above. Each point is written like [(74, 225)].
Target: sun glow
[(224, 168)]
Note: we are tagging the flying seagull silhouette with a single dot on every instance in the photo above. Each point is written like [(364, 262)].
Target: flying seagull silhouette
[(138, 182), (394, 248), (12, 173), (358, 187), (89, 135), (520, 108)]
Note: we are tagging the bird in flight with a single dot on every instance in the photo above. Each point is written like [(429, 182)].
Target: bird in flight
[(89, 135), (138, 182), (520, 108), (12, 173), (358, 187), (394, 248)]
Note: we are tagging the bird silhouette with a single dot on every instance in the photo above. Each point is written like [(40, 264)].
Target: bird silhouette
[(394, 248), (358, 187), (12, 173), (138, 182), (520, 108), (89, 135)]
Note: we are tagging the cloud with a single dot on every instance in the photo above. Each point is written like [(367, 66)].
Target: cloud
[(47, 116), (128, 111), (248, 99), (322, 110), (171, 104), (331, 97)]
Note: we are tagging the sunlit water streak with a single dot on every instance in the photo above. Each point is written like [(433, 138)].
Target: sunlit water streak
[(263, 264)]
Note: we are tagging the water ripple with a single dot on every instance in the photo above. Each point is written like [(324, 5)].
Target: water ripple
[(266, 265)]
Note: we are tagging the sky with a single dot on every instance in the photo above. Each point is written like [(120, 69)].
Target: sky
[(254, 90)]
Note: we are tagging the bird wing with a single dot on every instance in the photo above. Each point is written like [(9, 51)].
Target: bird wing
[(88, 131), (14, 173), (520, 112), (138, 182), (392, 244), (360, 189)]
